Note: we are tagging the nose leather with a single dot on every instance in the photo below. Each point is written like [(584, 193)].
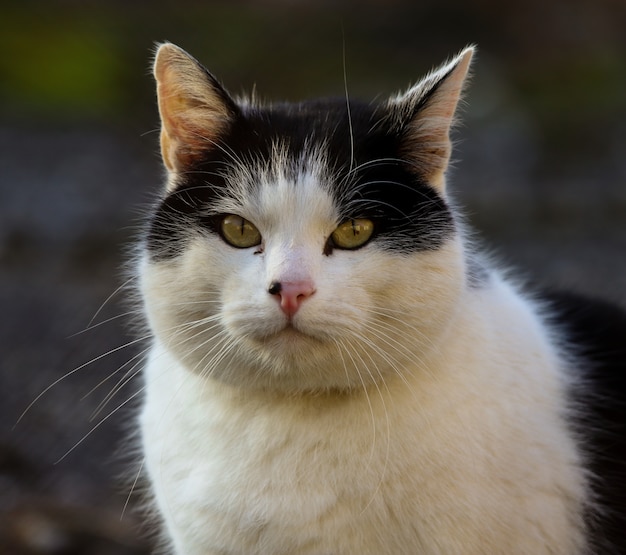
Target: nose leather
[(291, 294)]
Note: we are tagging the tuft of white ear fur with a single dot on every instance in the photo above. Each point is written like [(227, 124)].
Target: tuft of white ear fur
[(193, 106), (424, 115)]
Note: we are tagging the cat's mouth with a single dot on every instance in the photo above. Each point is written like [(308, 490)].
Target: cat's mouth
[(293, 331), (290, 335)]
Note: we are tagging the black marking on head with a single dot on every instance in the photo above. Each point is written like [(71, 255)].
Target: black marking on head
[(367, 177), (181, 214), (409, 215)]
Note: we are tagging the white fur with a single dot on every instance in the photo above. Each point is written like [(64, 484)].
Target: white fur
[(402, 412)]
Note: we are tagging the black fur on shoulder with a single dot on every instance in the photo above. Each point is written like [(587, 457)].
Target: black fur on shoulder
[(596, 330)]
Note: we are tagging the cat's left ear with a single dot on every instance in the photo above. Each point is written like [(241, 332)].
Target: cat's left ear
[(195, 109), (424, 116)]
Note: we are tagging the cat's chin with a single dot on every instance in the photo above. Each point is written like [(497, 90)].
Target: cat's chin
[(291, 348)]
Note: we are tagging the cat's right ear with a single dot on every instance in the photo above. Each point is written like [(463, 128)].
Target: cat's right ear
[(194, 108), (424, 116)]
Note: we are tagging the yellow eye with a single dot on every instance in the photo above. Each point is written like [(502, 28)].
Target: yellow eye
[(239, 232), (353, 234)]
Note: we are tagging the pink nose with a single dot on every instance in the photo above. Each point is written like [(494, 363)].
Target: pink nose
[(291, 294)]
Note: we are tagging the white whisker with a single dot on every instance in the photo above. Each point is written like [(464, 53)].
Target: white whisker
[(117, 290), (132, 488), (103, 322), (128, 377), (365, 389), (94, 428), (348, 111), (74, 371)]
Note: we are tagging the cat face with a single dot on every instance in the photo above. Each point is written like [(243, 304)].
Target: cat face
[(302, 247)]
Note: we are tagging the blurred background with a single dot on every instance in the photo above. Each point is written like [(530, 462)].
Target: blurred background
[(540, 169)]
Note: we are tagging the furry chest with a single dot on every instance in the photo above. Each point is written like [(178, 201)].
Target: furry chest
[(237, 473), (263, 483)]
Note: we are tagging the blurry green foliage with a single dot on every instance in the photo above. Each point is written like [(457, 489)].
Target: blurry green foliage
[(564, 61), (58, 65), (91, 59)]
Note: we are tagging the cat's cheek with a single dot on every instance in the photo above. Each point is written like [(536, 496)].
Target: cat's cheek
[(158, 287), (430, 290), (181, 289)]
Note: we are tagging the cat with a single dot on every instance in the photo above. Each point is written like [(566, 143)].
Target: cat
[(334, 368)]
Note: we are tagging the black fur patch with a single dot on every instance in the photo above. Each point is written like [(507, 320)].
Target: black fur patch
[(596, 330), (365, 174)]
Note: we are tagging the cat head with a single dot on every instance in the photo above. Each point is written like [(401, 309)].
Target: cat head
[(302, 247)]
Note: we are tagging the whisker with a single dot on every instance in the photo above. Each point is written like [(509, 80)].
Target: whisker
[(367, 397), (349, 113), (108, 320), (72, 372), (384, 355), (343, 362), (94, 428), (374, 420), (387, 429), (117, 290), (132, 488), (388, 313), (191, 303), (202, 329), (133, 371), (223, 348), (128, 377), (371, 163), (119, 368)]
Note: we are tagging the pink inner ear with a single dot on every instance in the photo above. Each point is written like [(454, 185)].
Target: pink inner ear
[(427, 143), (187, 128), (194, 109)]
